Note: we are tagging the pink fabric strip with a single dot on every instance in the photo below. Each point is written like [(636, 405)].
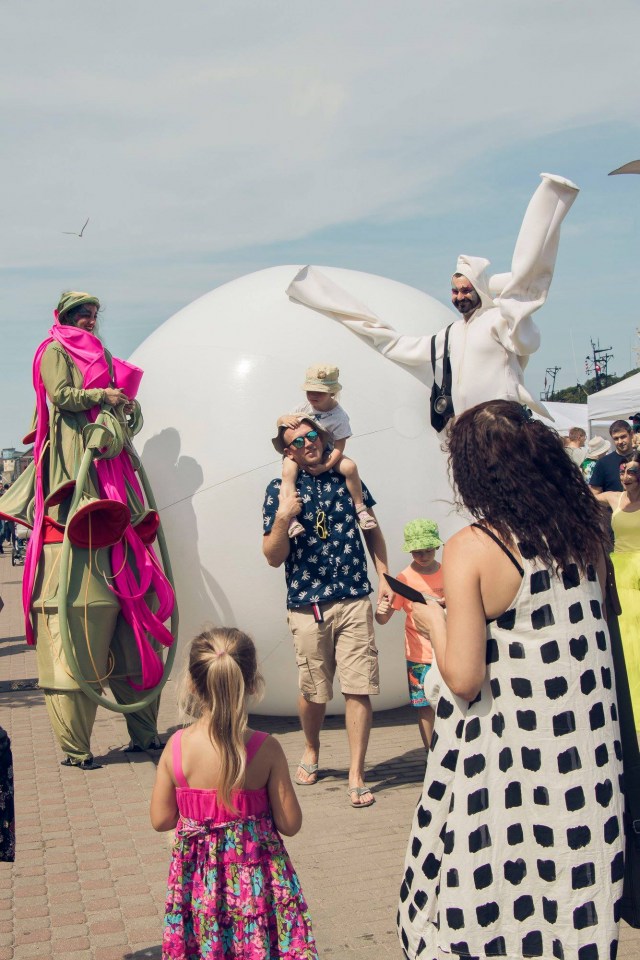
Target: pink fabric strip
[(176, 753), (254, 744)]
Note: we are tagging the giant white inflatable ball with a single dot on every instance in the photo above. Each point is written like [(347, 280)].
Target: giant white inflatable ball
[(217, 376)]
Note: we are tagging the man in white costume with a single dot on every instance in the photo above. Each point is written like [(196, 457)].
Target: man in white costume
[(490, 346)]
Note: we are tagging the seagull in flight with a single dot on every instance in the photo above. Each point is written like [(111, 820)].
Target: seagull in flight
[(72, 233)]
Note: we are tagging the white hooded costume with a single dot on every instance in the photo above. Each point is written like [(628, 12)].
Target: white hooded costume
[(490, 349)]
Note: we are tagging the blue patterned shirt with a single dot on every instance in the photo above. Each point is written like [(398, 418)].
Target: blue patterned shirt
[(320, 570)]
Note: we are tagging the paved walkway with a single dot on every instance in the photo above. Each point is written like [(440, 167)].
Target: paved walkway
[(89, 879)]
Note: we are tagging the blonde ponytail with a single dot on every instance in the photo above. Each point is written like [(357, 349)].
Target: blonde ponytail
[(223, 670)]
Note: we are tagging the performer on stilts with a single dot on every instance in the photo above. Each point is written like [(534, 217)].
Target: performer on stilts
[(96, 613)]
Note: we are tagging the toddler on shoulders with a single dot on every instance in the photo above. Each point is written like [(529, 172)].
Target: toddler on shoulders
[(322, 387)]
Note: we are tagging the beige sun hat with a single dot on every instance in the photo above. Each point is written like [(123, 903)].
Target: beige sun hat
[(278, 440), (597, 447), (322, 378)]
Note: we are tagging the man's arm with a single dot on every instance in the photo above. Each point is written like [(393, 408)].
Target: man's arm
[(314, 289), (276, 543), (378, 551), (534, 259)]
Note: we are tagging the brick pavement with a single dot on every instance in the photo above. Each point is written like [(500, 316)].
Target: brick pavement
[(89, 879)]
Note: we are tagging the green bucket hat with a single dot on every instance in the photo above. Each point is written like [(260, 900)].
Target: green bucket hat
[(75, 298), (421, 535)]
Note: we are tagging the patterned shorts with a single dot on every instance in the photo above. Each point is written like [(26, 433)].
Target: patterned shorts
[(416, 673)]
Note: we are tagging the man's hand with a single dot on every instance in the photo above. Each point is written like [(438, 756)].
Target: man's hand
[(384, 604), (385, 595), (289, 507)]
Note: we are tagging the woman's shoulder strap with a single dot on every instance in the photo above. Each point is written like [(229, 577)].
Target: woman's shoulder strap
[(176, 755), (504, 549), (256, 740)]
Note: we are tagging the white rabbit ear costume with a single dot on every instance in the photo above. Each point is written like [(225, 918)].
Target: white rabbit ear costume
[(490, 350)]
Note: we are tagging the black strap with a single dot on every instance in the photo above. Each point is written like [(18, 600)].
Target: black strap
[(433, 355), (502, 547), (446, 362)]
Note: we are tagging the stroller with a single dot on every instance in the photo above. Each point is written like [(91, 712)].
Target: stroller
[(19, 538)]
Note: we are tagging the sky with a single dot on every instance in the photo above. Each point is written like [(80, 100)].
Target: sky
[(207, 141)]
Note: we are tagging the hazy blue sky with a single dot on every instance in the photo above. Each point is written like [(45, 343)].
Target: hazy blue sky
[(209, 140)]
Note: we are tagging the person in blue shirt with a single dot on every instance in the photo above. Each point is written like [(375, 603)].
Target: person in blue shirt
[(330, 614), (606, 473)]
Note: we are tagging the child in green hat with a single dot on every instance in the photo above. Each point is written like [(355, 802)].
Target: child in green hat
[(424, 573)]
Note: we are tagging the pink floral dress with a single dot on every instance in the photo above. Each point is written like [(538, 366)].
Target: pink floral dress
[(232, 889)]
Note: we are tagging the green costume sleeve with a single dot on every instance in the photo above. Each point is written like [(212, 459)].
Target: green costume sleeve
[(58, 379)]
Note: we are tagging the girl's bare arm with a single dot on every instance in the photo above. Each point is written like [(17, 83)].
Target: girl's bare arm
[(164, 806), (285, 808)]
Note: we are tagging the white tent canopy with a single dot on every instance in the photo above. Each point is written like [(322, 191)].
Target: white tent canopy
[(617, 402), (565, 416)]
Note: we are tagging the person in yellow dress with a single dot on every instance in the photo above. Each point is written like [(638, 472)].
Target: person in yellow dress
[(625, 521)]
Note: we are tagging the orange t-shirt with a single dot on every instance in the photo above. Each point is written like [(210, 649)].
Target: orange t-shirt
[(417, 647)]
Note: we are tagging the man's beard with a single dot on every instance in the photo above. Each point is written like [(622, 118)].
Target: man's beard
[(467, 306)]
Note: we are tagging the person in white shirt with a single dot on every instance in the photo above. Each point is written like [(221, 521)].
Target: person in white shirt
[(490, 346)]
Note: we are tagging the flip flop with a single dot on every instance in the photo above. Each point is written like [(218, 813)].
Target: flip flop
[(359, 792), (311, 769)]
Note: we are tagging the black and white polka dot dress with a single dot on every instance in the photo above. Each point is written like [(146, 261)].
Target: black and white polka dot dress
[(516, 848)]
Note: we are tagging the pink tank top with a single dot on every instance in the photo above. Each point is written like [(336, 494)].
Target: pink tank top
[(203, 804)]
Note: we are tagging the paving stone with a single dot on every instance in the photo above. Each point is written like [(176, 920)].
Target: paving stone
[(28, 950), (64, 947), (33, 936)]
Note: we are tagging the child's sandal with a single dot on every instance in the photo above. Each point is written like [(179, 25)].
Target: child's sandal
[(365, 520), (295, 529)]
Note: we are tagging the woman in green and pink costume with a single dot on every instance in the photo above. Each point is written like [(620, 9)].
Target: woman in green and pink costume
[(118, 596)]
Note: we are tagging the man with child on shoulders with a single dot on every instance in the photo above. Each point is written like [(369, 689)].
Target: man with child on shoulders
[(329, 612)]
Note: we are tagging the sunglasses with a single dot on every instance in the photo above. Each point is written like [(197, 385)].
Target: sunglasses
[(321, 525), (299, 442)]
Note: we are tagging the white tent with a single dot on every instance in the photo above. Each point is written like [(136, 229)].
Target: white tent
[(617, 402), (565, 416)]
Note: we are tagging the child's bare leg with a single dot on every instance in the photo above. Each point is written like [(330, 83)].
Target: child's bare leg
[(426, 718), (348, 469), (288, 488)]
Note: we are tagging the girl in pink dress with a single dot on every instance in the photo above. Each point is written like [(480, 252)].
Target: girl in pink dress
[(227, 791)]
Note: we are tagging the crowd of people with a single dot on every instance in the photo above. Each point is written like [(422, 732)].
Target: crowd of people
[(517, 844)]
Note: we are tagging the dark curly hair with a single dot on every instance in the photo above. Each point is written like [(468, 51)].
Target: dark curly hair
[(513, 473)]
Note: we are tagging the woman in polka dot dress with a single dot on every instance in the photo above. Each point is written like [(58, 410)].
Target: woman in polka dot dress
[(516, 848)]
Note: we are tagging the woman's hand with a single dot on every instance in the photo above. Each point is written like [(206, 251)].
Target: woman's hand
[(428, 617), (113, 396)]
